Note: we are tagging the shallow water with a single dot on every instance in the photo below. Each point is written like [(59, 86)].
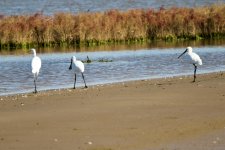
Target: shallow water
[(49, 7), (16, 76)]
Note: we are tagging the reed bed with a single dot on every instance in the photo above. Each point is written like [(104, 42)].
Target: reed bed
[(113, 26)]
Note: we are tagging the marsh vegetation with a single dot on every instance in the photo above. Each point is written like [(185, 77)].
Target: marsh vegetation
[(112, 27)]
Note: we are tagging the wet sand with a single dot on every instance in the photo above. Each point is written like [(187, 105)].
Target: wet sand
[(159, 114)]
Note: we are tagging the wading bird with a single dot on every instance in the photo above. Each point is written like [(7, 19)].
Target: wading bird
[(36, 66), (79, 66), (193, 59)]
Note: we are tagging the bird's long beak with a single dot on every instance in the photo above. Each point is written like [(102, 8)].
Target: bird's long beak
[(71, 64), (182, 53)]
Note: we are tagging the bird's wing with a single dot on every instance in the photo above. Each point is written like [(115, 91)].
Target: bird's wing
[(195, 57), (80, 66), (36, 64)]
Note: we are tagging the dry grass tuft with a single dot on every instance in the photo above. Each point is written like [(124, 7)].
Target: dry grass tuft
[(113, 26)]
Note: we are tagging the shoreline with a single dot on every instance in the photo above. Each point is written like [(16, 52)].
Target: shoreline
[(110, 83), (138, 115)]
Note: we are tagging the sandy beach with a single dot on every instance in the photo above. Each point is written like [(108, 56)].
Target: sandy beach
[(159, 114)]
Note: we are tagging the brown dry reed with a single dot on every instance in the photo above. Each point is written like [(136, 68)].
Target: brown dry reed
[(113, 26)]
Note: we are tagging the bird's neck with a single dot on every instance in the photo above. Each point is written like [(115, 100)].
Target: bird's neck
[(189, 52), (34, 53)]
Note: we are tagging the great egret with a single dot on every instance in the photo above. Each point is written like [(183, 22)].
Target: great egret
[(36, 66)]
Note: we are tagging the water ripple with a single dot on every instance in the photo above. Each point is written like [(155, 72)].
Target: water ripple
[(49, 7), (16, 76)]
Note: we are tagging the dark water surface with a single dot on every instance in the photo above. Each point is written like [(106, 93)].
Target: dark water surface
[(49, 7)]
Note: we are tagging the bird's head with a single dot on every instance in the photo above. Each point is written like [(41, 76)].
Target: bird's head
[(188, 49), (33, 51), (73, 59)]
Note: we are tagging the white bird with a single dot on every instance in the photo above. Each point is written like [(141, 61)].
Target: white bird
[(36, 66), (78, 66), (193, 59)]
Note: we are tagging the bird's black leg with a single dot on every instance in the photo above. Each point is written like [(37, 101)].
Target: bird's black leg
[(195, 72), (35, 88), (75, 79), (84, 80)]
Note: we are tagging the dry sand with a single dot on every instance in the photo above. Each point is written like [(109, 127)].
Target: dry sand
[(160, 114)]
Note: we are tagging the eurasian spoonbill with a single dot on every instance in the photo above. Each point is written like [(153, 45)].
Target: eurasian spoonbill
[(79, 66), (193, 59)]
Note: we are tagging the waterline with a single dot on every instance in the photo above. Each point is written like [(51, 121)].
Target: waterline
[(16, 76)]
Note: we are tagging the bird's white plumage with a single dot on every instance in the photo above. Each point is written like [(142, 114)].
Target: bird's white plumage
[(78, 64), (194, 58), (35, 64)]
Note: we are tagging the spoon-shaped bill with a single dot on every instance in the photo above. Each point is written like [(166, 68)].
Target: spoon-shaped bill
[(182, 53), (71, 64)]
